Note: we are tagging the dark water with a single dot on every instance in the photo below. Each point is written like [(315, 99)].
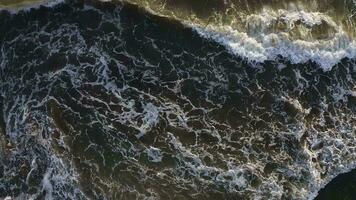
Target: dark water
[(106, 101), (342, 187)]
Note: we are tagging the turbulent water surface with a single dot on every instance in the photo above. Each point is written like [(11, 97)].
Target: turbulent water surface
[(176, 99)]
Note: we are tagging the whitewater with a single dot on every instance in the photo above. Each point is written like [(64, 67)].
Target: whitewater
[(163, 99)]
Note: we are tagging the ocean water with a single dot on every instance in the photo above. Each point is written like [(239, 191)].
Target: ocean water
[(153, 99)]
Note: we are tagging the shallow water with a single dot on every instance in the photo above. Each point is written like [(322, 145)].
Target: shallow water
[(321, 31), (109, 101)]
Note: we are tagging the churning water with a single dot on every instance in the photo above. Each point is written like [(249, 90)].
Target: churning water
[(176, 99)]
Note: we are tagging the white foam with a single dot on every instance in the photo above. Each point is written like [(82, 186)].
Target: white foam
[(150, 118), (266, 45), (47, 185), (154, 154)]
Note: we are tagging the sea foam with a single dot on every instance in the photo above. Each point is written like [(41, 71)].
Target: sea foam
[(267, 45), (257, 43)]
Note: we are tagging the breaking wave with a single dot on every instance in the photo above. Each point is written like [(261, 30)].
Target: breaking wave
[(301, 31)]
